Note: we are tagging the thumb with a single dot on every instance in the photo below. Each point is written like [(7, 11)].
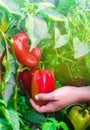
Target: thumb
[(45, 96)]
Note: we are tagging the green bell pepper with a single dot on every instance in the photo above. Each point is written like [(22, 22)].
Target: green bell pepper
[(79, 120)]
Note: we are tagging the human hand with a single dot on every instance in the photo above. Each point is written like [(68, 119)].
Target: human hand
[(57, 99)]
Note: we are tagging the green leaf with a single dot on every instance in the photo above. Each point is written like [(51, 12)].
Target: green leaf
[(52, 14), (51, 124), (47, 4), (4, 18), (63, 125), (8, 21), (47, 1), (13, 6), (87, 59), (48, 126), (14, 119), (66, 6), (35, 117), (10, 78), (4, 125), (4, 5), (7, 74), (2, 49), (80, 48), (11, 116), (36, 28), (2, 103), (9, 88), (60, 40)]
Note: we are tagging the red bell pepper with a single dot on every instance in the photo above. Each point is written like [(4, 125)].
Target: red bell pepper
[(22, 50), (26, 77), (43, 81), (20, 77)]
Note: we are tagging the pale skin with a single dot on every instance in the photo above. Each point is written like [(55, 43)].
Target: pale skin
[(60, 98)]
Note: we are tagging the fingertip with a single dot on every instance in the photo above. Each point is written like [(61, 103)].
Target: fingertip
[(31, 101), (40, 109), (36, 97)]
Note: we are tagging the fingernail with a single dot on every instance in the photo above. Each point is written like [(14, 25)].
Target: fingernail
[(36, 97)]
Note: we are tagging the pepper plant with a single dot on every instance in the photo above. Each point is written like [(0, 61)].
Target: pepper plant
[(52, 35)]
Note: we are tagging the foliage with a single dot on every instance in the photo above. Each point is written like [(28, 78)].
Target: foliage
[(62, 29), (53, 124)]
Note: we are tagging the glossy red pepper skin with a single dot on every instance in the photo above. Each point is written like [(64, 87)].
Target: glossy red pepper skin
[(20, 77), (22, 50), (26, 77), (43, 81)]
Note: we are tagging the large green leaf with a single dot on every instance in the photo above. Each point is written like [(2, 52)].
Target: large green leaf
[(52, 14), (9, 88), (66, 6), (4, 6), (11, 117), (80, 48), (63, 125), (8, 21), (37, 29), (4, 125), (4, 18), (37, 117), (60, 40), (14, 6), (14, 119), (49, 1), (10, 77), (48, 126), (2, 49)]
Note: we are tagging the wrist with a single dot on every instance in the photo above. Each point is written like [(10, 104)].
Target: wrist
[(83, 94)]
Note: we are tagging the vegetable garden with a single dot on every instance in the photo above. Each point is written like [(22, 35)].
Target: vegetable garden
[(43, 38)]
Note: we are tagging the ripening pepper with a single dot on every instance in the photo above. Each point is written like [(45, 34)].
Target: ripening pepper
[(22, 50), (80, 121), (26, 77), (43, 81)]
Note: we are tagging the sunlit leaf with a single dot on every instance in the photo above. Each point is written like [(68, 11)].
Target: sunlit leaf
[(11, 117), (4, 5), (87, 59), (52, 14), (2, 49), (4, 18), (48, 126), (63, 125), (14, 119), (13, 5), (60, 40), (9, 78), (9, 88), (80, 48), (46, 4), (48, 1), (37, 29), (65, 6)]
